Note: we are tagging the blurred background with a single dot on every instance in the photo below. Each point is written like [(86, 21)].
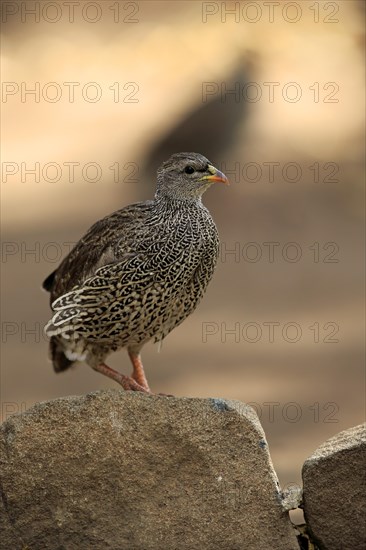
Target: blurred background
[(95, 97)]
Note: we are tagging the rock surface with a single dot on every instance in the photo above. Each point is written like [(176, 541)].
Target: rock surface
[(334, 491), (118, 470)]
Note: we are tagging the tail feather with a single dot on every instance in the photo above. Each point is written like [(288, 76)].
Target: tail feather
[(48, 282), (57, 355)]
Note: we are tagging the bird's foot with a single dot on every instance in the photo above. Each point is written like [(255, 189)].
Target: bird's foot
[(129, 384)]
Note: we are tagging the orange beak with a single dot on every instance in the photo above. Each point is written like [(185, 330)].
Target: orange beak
[(216, 175)]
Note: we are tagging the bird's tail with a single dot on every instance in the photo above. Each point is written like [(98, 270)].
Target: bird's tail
[(57, 355)]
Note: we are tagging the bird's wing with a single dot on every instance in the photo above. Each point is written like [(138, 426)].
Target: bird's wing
[(106, 242), (92, 308), (105, 282)]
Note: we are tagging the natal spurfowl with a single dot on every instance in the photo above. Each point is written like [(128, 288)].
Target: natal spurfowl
[(136, 274)]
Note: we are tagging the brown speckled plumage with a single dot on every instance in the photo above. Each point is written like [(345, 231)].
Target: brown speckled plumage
[(137, 273)]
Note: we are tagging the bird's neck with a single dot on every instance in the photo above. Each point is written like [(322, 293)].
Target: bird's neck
[(164, 201)]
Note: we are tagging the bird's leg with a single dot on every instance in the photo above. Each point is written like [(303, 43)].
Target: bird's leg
[(127, 382), (138, 370), (138, 374)]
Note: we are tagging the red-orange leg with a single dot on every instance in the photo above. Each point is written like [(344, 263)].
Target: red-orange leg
[(127, 382), (138, 370)]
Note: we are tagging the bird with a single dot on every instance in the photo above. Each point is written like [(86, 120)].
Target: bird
[(136, 274)]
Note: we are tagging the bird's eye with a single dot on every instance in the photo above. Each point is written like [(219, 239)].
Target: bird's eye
[(189, 169)]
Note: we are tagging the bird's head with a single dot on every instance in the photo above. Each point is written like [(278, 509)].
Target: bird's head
[(186, 176)]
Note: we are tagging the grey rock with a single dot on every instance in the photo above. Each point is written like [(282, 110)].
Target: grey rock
[(292, 497), (334, 496), (122, 470)]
